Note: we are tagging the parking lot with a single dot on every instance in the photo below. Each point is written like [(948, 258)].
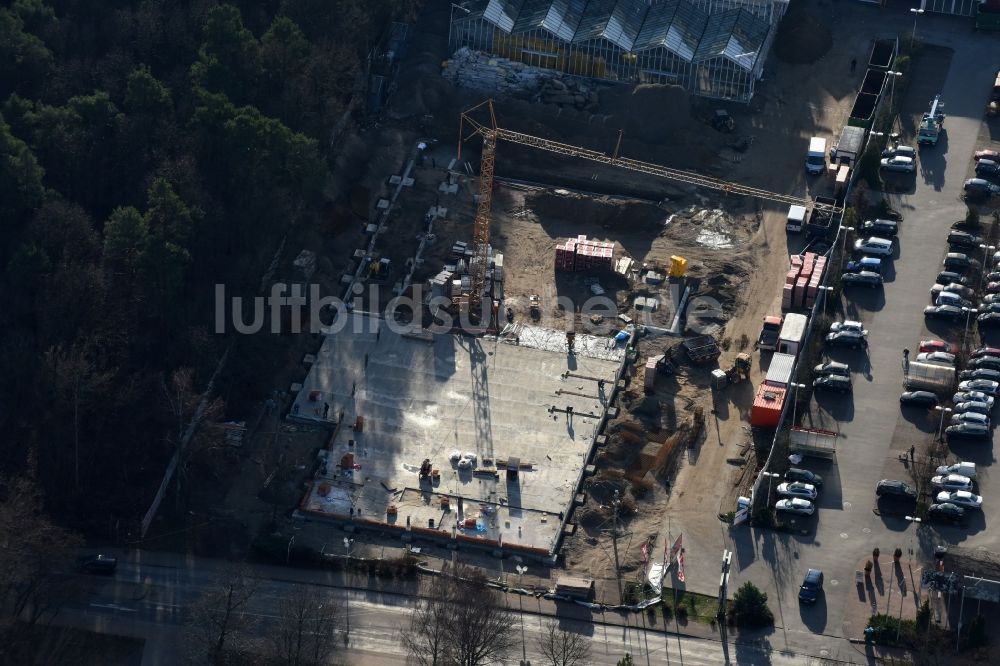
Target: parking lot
[(875, 434)]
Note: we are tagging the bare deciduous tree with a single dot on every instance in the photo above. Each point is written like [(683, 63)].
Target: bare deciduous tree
[(218, 623), (563, 648), (461, 623), (307, 625)]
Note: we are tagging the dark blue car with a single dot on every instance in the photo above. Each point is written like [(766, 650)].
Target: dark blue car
[(811, 586)]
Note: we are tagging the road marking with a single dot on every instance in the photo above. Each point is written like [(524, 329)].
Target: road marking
[(847, 506), (843, 535)]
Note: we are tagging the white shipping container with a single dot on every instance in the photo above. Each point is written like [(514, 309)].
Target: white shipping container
[(779, 373)]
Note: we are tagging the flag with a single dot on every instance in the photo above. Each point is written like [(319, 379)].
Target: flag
[(645, 553), (676, 547), (680, 566)]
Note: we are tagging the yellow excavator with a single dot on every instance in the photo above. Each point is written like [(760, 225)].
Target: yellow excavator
[(740, 369)]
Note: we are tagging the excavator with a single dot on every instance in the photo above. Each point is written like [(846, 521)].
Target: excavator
[(740, 369)]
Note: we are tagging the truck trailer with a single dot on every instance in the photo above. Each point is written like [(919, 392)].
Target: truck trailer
[(930, 377), (793, 331)]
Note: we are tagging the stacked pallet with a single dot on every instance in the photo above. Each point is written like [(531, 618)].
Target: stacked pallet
[(583, 254), (802, 282)]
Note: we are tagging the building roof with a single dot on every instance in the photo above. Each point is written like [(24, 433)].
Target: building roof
[(676, 25), (617, 21), (735, 34), (502, 13), (559, 17)]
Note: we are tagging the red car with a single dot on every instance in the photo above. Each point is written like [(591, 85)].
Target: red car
[(938, 346), (985, 351), (986, 154)]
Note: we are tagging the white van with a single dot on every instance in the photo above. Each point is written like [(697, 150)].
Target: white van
[(796, 218), (816, 157)]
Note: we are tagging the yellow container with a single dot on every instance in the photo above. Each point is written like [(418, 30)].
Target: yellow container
[(678, 266)]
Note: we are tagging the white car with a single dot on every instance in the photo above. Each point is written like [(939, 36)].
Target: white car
[(967, 469), (952, 482), (936, 357), (987, 386), (970, 417), (874, 246), (899, 163), (962, 498), (798, 489), (972, 396), (852, 326), (795, 505)]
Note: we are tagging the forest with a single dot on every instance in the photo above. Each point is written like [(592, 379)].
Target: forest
[(151, 149)]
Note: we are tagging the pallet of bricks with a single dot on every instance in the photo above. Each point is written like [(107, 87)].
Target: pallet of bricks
[(583, 254), (803, 280)]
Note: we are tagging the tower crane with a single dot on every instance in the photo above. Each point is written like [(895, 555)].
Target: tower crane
[(492, 133)]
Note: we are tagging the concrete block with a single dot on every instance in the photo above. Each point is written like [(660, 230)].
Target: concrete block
[(382, 204), (309, 359), (295, 387), (407, 182), (395, 180)]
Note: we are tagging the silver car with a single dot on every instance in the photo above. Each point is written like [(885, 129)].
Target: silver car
[(795, 505), (952, 482), (985, 385), (899, 163), (962, 498), (804, 490)]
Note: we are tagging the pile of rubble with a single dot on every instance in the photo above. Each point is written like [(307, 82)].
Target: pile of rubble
[(481, 71)]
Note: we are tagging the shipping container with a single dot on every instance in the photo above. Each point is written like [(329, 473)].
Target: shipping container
[(792, 332), (779, 373), (767, 406)]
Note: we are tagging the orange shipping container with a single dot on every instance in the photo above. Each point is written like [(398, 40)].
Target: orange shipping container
[(767, 406)]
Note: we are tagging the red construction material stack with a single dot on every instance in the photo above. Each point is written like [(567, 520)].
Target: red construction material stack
[(802, 282), (582, 254)]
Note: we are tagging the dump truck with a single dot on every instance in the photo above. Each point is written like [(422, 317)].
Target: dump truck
[(768, 338), (929, 377), (702, 349), (932, 124), (820, 222)]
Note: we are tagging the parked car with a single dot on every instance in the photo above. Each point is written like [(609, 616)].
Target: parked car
[(869, 264), (984, 385), (811, 587), (972, 396), (937, 346), (964, 468), (899, 163), (918, 399), (986, 168), (902, 151), (795, 505), (970, 417), (992, 277), (980, 187), (846, 339), (951, 482), (880, 228), (962, 498), (959, 290), (97, 564), (972, 406), (967, 431), (983, 308), (862, 279), (940, 358), (984, 363), (986, 154), (980, 373), (837, 383), (945, 512), (989, 298), (873, 245), (985, 351), (893, 488), (804, 475), (833, 368), (949, 312), (958, 261), (951, 298), (803, 490), (988, 320), (848, 326), (991, 287), (951, 277), (963, 239)]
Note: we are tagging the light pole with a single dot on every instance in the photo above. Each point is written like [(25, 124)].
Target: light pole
[(288, 552), (347, 589), (986, 255), (916, 12), (826, 298), (943, 410), (795, 402), (520, 604), (892, 92), (769, 475), (968, 316)]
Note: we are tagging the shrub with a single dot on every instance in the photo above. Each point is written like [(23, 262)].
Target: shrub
[(750, 607)]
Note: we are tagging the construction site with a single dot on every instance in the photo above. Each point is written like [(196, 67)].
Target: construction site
[(582, 290)]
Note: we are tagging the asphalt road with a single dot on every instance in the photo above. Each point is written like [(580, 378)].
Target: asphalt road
[(149, 599), (874, 431)]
